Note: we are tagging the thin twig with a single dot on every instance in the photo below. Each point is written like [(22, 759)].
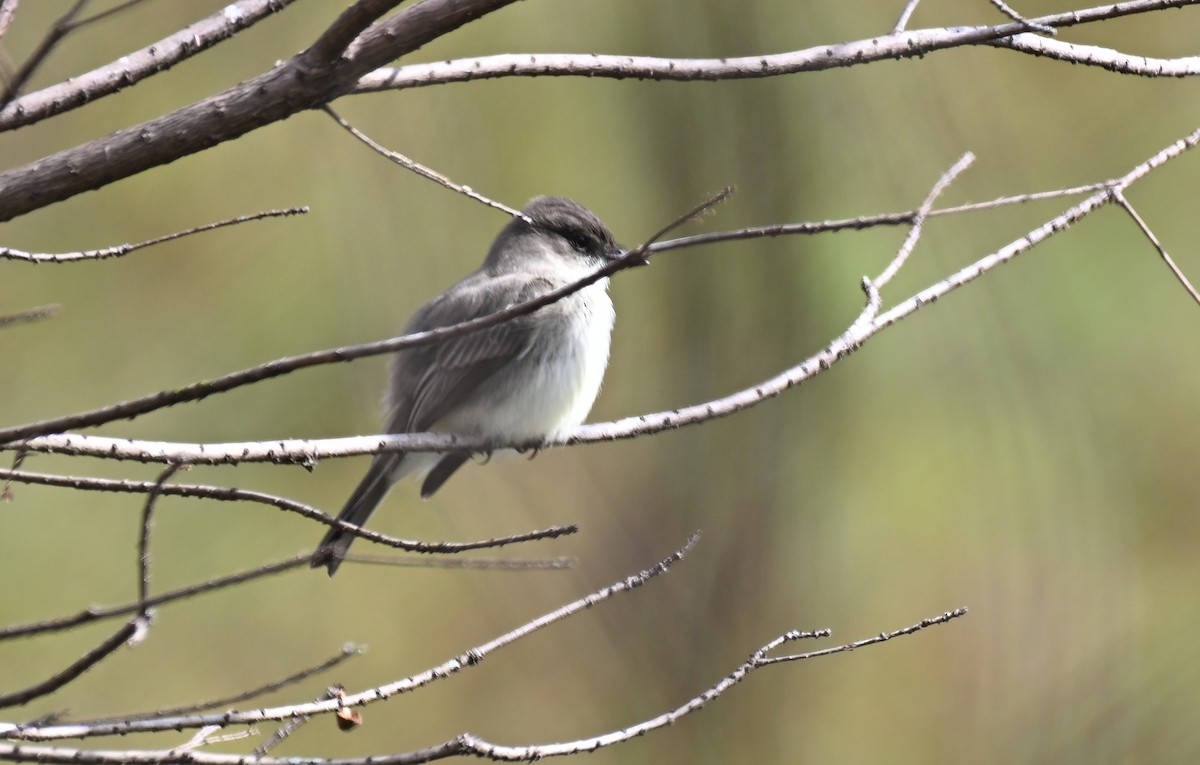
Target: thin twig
[(288, 728), (199, 739), (863, 222), (144, 535), (1121, 201), (97, 614), (100, 15), (1033, 196), (6, 495), (489, 564), (694, 214), (90, 659), (918, 224), (1008, 11), (124, 249), (229, 494), (291, 726), (872, 287), (763, 660), (205, 737), (347, 652), (905, 15), (423, 170), (39, 54), (33, 314)]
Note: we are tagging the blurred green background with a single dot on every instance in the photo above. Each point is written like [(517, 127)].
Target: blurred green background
[(1026, 447)]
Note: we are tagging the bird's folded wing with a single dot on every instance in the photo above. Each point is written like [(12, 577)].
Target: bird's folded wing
[(430, 381)]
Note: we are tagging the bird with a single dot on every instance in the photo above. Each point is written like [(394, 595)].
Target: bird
[(529, 379)]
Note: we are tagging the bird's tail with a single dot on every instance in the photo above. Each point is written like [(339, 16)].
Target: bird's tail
[(366, 497)]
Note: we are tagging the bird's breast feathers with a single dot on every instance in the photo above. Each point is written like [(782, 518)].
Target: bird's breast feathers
[(551, 386)]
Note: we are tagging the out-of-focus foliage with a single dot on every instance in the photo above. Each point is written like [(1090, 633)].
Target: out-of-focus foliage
[(1025, 447)]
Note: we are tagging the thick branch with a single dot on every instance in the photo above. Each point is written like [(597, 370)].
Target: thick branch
[(138, 65), (303, 82), (334, 41)]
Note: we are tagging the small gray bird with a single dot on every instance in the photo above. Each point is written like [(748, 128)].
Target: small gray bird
[(527, 379)]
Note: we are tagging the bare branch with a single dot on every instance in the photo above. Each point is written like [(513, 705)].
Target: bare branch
[(97, 614), (226, 494), (290, 451), (871, 288), (905, 15), (762, 659), (124, 249), (32, 314), (695, 214), (348, 652), (1035, 196), (423, 170), (144, 536), (1008, 11), (1105, 58), (101, 15), (334, 41), (90, 659), (205, 737), (489, 564), (863, 222), (291, 726), (1162, 251), (39, 54), (818, 58), (200, 739), (918, 223), (138, 65)]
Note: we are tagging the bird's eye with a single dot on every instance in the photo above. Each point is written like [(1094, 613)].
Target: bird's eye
[(579, 242)]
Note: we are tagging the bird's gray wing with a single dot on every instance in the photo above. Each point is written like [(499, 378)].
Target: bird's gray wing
[(430, 381)]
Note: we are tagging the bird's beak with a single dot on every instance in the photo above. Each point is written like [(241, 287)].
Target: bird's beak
[(621, 253)]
